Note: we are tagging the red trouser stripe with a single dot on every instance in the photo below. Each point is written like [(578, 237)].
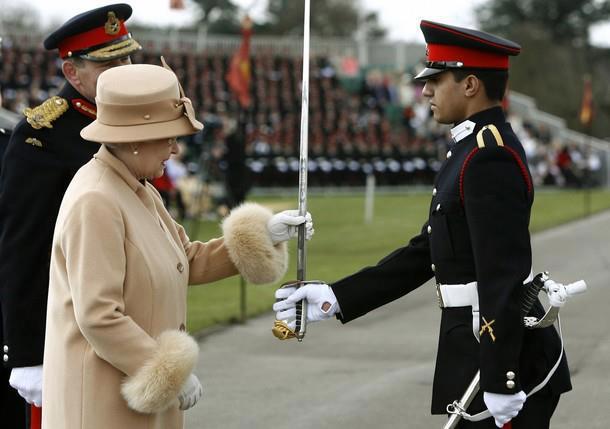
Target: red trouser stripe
[(35, 417)]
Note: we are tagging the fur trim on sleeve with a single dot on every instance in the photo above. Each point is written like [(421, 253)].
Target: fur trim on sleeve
[(155, 386), (250, 246)]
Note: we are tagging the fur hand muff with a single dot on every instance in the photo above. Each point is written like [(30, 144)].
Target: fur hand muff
[(250, 247), (156, 385)]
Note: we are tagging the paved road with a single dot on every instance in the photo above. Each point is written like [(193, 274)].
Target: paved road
[(376, 372)]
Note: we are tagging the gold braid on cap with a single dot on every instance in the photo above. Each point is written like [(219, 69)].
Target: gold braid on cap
[(115, 50), (42, 116), (189, 110)]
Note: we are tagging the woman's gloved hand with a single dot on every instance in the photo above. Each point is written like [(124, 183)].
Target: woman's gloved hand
[(191, 392), (284, 225)]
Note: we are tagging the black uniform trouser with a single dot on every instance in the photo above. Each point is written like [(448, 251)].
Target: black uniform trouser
[(536, 414), (12, 406)]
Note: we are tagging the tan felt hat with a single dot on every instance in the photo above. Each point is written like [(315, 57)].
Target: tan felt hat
[(139, 102)]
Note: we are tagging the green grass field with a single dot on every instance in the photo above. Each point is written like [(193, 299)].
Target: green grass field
[(343, 243)]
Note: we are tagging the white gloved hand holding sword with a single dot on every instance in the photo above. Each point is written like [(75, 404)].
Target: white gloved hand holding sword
[(322, 303)]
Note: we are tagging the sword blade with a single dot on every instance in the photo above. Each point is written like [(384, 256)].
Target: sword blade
[(301, 306)]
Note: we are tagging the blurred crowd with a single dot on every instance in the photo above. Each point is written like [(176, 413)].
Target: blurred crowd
[(372, 123)]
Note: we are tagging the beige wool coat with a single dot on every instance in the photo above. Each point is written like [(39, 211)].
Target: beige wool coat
[(116, 354)]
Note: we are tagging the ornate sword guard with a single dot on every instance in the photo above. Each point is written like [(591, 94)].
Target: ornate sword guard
[(552, 313), (280, 329)]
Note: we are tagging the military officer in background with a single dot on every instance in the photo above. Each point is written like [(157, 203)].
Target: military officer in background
[(43, 154), (475, 243), (12, 406)]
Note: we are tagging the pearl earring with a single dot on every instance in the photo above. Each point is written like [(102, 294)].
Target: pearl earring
[(135, 151)]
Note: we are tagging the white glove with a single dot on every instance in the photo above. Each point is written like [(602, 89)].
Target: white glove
[(557, 293), (283, 226), (191, 392), (504, 408), (321, 303), (27, 381)]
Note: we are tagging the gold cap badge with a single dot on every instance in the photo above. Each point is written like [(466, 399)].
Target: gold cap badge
[(113, 25)]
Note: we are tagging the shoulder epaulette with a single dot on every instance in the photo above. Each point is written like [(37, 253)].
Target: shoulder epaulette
[(494, 132), (500, 143), (43, 115)]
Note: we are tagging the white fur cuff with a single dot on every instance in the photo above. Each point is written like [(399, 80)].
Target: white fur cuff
[(155, 386), (250, 246)]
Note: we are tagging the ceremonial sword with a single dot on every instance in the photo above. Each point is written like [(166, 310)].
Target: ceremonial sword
[(457, 409), (281, 329)]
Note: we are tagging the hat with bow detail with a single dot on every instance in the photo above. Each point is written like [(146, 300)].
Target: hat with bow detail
[(140, 102)]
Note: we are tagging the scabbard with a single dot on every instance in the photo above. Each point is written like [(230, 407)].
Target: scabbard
[(464, 403)]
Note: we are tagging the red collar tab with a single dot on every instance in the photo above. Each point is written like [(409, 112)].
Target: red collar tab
[(471, 58), (95, 37), (85, 107)]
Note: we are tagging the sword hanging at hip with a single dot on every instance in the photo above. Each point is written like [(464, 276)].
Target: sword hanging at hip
[(457, 409), (280, 328)]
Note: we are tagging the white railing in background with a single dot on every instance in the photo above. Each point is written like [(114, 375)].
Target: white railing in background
[(525, 107)]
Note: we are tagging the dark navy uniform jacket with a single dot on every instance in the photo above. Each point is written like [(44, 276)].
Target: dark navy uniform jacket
[(37, 167), (477, 230), (5, 135)]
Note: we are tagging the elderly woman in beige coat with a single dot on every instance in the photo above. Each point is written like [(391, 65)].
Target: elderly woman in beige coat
[(116, 353)]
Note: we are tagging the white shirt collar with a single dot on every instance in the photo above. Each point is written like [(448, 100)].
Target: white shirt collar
[(462, 130)]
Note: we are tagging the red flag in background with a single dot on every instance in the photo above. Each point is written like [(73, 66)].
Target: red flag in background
[(176, 4), (586, 107), (238, 76)]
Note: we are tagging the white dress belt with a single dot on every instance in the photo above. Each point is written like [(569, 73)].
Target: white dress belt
[(465, 295)]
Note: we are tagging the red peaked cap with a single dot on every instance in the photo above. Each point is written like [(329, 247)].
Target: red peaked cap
[(96, 35), (456, 47)]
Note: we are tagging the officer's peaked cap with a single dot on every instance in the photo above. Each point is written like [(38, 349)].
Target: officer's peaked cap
[(450, 47), (96, 35)]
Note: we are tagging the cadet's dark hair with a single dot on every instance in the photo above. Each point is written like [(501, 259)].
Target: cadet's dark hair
[(494, 81)]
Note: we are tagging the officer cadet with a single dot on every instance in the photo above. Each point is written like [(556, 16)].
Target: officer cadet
[(475, 243), (43, 154)]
